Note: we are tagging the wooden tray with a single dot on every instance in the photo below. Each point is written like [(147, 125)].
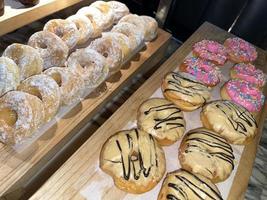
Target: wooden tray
[(82, 167), (18, 169), (17, 15)]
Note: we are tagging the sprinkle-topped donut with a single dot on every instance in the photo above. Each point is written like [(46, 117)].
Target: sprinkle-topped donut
[(239, 50), (243, 93), (203, 70), (249, 73), (211, 50)]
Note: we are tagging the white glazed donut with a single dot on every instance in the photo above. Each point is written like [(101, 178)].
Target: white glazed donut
[(119, 9)]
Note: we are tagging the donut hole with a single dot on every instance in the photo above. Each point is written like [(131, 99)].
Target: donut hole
[(9, 116), (105, 54), (59, 32), (42, 46), (31, 90), (57, 77)]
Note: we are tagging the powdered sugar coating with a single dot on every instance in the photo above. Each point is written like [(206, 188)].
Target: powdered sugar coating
[(26, 57), (91, 66), (151, 27), (203, 70), (49, 90), (30, 116), (245, 94), (51, 48), (249, 73), (211, 50), (135, 20), (119, 9), (65, 29), (9, 75), (241, 49)]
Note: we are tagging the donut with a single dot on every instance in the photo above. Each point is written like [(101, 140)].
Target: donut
[(65, 29), (134, 160), (71, 84), (111, 50), (151, 28), (26, 57), (204, 152), (184, 91), (248, 72), (162, 119), (211, 51), (243, 93), (90, 65), (119, 10), (135, 20), (182, 184), (9, 75), (46, 89), (131, 31), (21, 114), (232, 121), (122, 40), (84, 27), (239, 50), (203, 70), (52, 49)]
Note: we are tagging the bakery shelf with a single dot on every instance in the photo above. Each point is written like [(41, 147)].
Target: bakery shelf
[(76, 174), (18, 168), (16, 15)]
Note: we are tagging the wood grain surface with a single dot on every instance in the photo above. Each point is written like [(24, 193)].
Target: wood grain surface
[(80, 169), (18, 168)]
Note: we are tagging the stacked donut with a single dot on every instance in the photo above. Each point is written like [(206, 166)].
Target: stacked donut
[(37, 78)]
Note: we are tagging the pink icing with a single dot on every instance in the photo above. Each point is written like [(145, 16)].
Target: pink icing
[(249, 73), (211, 50), (245, 94), (203, 70), (240, 48)]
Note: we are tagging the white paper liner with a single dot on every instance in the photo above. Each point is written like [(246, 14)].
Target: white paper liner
[(100, 186)]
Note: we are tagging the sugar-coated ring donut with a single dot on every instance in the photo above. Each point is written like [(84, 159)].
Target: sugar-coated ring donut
[(21, 114), (250, 73), (70, 83), (134, 160), (84, 26), (151, 28), (210, 50), (9, 76), (46, 89), (119, 9), (232, 121), (52, 49), (135, 20), (26, 57), (91, 66), (203, 70), (65, 29), (184, 91), (131, 31), (111, 50), (162, 119), (204, 152), (243, 93), (240, 50), (181, 183)]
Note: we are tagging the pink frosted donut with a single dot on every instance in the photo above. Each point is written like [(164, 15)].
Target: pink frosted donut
[(211, 50), (243, 93), (203, 70), (249, 73), (239, 50)]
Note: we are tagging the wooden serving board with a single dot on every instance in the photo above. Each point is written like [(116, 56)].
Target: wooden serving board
[(16, 169), (81, 169)]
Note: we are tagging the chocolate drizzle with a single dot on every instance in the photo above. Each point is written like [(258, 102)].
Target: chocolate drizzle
[(172, 119)]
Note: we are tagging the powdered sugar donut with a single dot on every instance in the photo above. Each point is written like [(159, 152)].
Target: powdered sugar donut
[(239, 50), (51, 48), (151, 28), (210, 50), (26, 57), (248, 72), (91, 66), (243, 93), (119, 9), (65, 29), (203, 70), (135, 20)]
